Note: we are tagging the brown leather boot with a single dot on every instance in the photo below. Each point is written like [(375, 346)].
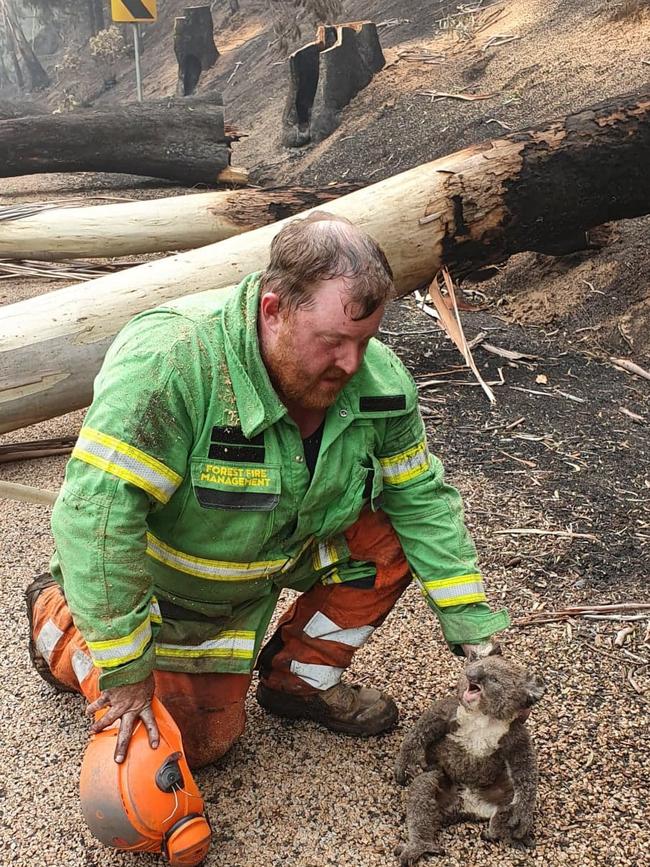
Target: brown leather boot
[(40, 583), (345, 708)]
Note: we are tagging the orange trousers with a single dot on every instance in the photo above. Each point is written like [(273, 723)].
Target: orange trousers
[(314, 642)]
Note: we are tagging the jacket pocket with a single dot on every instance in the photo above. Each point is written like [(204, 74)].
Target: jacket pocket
[(236, 499)]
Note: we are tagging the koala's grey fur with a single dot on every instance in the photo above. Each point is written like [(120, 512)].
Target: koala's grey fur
[(471, 756)]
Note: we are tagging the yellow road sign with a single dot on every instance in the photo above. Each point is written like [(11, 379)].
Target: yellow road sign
[(133, 10)]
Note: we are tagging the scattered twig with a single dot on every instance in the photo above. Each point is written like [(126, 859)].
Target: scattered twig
[(234, 72), (453, 327), (630, 367), (498, 40), (511, 354), (622, 635), (616, 617), (532, 531), (393, 22), (70, 270), (535, 618), (499, 122), (465, 97), (633, 415)]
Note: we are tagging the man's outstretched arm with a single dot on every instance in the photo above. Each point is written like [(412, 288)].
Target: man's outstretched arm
[(427, 515)]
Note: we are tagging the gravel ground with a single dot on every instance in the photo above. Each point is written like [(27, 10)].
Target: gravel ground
[(289, 793)]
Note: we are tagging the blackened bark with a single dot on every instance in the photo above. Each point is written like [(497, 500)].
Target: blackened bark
[(544, 188), (194, 47), (179, 139)]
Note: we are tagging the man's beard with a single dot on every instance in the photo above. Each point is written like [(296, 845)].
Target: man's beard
[(292, 383)]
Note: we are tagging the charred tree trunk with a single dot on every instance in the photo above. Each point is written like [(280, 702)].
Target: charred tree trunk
[(100, 19), (179, 223), (38, 76), (182, 140), (325, 75), (521, 192), (194, 47), (13, 52)]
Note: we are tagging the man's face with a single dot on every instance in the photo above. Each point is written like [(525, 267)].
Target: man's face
[(313, 352)]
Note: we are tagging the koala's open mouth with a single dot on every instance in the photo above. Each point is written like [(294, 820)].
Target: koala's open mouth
[(473, 692)]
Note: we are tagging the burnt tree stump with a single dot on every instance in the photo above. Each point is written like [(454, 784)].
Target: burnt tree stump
[(325, 75), (194, 47)]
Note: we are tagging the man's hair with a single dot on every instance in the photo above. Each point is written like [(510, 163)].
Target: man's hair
[(323, 246)]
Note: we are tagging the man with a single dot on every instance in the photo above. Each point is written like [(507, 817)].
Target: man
[(238, 444)]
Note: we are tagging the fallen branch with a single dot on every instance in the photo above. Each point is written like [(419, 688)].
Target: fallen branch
[(465, 97), (630, 367), (565, 534), (27, 494), (560, 614), (453, 327), (36, 449), (496, 198)]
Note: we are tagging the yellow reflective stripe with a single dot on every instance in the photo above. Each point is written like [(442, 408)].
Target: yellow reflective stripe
[(118, 651), (461, 590), (332, 578), (329, 552), (237, 643), (126, 462), (154, 611), (406, 465), (213, 570)]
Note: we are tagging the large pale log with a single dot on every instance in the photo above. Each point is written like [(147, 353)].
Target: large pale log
[(126, 229), (525, 191), (178, 139)]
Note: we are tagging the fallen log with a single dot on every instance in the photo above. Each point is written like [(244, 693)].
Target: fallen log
[(182, 139), (126, 229), (478, 206), (11, 452)]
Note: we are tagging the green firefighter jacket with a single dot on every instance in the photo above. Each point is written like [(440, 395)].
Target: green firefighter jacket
[(187, 504)]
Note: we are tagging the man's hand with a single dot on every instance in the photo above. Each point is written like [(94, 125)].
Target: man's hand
[(128, 704), (481, 650)]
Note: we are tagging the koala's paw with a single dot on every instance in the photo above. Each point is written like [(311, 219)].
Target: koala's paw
[(519, 826), (523, 843), (409, 853), (409, 765)]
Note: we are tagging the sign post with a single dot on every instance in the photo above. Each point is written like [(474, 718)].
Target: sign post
[(134, 12)]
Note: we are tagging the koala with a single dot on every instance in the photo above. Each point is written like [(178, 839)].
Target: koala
[(470, 756)]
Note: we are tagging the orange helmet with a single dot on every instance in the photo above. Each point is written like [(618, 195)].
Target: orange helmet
[(149, 802)]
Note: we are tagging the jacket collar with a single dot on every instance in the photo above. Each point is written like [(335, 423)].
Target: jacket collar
[(258, 405)]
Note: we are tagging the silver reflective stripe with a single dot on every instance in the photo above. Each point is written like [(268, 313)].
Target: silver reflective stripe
[(319, 676), (329, 552), (47, 639), (82, 665), (112, 458), (442, 594), (110, 653), (215, 569), (240, 644), (325, 629), (406, 465)]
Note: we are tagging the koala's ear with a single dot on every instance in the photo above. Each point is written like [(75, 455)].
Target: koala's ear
[(534, 688)]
